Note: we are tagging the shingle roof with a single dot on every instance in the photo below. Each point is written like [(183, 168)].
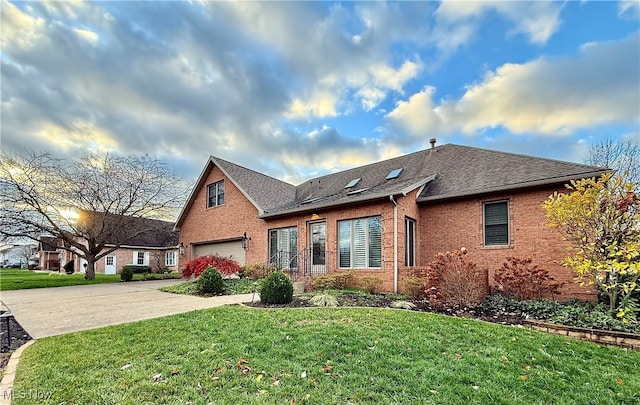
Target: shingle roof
[(48, 244), (264, 191), (447, 171), (131, 231)]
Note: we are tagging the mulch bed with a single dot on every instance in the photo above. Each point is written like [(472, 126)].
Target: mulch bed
[(348, 299), (18, 337)]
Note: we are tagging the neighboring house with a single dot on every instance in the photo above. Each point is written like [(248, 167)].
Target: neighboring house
[(48, 253), (18, 254), (157, 248), (386, 219)]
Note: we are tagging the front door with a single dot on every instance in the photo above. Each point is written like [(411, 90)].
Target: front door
[(318, 242), (110, 264)]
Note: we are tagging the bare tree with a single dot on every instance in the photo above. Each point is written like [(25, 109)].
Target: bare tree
[(621, 155), (26, 253), (94, 204)]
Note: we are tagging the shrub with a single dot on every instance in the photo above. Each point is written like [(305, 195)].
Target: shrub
[(224, 265), (522, 280), (126, 274), (137, 269), (277, 288), (413, 287), (338, 281), (324, 300), (210, 282), (454, 281), (371, 284), (256, 271), (69, 267)]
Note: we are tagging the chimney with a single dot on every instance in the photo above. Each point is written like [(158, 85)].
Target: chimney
[(432, 141)]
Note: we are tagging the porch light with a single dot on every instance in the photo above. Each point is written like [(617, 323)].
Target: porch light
[(245, 241), (181, 249), (314, 217)]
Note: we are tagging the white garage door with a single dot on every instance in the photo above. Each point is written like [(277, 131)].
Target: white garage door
[(225, 249)]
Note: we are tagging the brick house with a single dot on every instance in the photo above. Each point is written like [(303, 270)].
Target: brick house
[(386, 219), (157, 248)]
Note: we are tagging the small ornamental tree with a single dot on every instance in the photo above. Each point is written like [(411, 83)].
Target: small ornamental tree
[(601, 219), (225, 265)]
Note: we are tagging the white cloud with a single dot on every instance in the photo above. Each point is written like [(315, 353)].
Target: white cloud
[(629, 8), (457, 22), (18, 28), (545, 96)]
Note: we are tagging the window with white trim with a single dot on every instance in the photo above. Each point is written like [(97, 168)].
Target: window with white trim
[(409, 242), (215, 194), (496, 223), (170, 259), (360, 243), (141, 258)]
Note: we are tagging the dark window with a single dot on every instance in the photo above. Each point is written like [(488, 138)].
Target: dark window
[(283, 247), (360, 243), (496, 223), (409, 242), (215, 193)]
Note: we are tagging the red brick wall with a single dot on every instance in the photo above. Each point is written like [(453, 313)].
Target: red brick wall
[(440, 227), (453, 225), (124, 256)]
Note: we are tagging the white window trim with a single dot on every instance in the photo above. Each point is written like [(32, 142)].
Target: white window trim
[(215, 183), (412, 262), (366, 247), (170, 255)]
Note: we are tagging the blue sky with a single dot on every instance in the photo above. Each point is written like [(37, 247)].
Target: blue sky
[(299, 89)]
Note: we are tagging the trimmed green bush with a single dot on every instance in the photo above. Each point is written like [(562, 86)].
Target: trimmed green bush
[(126, 274), (210, 282), (277, 288), (138, 269), (69, 267)]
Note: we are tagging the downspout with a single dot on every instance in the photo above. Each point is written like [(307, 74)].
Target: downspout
[(395, 244)]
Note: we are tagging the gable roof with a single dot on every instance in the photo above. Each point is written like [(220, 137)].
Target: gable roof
[(440, 173), (130, 230)]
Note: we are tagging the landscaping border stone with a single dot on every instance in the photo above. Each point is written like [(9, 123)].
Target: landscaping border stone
[(605, 337)]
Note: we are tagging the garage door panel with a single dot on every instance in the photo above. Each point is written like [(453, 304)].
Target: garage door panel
[(225, 249)]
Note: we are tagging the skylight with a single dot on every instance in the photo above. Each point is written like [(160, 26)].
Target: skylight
[(353, 182), (358, 191), (394, 173), (310, 200)]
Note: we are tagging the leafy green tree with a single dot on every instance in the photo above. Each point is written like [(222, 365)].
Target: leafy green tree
[(601, 219)]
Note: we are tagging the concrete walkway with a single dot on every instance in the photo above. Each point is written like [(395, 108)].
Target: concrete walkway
[(47, 312)]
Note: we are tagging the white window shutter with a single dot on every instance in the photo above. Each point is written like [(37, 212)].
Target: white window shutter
[(135, 258), (146, 258)]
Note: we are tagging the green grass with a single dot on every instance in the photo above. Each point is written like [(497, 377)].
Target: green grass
[(231, 355), (231, 287), (13, 279)]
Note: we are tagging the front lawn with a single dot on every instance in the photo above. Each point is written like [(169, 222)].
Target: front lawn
[(13, 279), (230, 355)]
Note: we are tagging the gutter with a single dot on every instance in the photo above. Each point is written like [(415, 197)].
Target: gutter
[(395, 244)]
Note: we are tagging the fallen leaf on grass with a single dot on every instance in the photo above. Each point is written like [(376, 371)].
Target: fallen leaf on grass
[(215, 378), (504, 358), (175, 371), (276, 383), (527, 368), (326, 369), (523, 377), (458, 356), (619, 381), (126, 366), (303, 375), (475, 387), (157, 377), (433, 391)]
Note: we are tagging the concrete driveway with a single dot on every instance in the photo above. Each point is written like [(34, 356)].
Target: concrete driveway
[(46, 312)]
